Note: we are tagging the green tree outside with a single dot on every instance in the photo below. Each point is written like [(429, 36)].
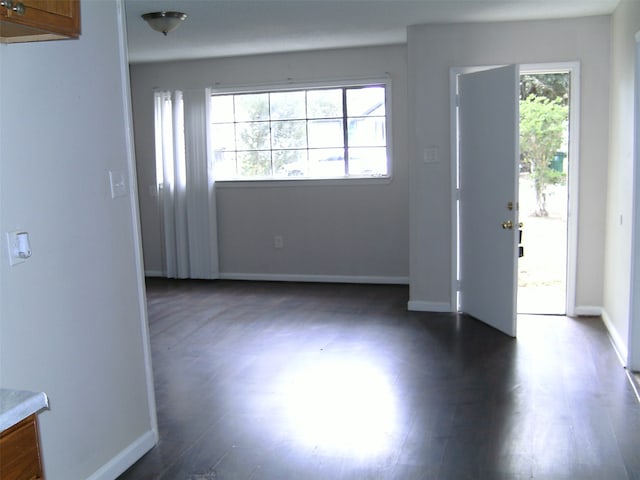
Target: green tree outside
[(542, 126), (253, 135), (550, 85), (273, 133)]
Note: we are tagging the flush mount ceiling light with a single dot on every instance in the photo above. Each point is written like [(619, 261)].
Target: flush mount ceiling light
[(164, 21)]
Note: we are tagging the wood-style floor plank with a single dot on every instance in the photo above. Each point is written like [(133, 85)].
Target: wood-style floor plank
[(259, 380)]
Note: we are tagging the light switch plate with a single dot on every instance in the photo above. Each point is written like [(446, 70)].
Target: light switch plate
[(118, 183)]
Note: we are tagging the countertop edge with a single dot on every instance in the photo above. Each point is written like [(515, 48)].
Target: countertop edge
[(16, 405)]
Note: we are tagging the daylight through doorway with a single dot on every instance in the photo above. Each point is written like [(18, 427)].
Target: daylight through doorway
[(543, 192)]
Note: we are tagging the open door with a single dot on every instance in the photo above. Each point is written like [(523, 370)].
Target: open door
[(488, 143)]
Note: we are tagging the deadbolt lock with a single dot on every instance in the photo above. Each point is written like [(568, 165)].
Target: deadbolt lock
[(508, 225)]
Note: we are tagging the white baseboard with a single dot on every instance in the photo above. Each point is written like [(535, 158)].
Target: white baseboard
[(419, 306), (618, 344), (127, 457), (284, 277), (153, 273), (588, 311)]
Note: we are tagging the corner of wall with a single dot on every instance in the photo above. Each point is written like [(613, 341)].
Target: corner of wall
[(616, 339), (127, 457)]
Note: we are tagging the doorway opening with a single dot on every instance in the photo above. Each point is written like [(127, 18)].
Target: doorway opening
[(546, 164), (567, 162)]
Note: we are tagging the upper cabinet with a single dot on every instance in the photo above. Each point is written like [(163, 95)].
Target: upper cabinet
[(38, 20)]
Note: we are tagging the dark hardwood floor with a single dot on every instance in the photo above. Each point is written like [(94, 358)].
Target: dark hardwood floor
[(281, 381)]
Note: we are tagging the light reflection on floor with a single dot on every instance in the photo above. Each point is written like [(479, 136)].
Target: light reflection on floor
[(343, 407)]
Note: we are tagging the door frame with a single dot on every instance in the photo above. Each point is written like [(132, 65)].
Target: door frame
[(572, 181), (633, 342)]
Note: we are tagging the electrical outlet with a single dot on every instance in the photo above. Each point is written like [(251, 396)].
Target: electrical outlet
[(278, 241)]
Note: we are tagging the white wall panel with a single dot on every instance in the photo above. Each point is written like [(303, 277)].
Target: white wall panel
[(432, 51), (620, 198), (353, 229), (72, 317)]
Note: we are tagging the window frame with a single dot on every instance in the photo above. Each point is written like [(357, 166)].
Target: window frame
[(384, 81)]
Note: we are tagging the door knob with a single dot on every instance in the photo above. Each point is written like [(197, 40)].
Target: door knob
[(508, 225)]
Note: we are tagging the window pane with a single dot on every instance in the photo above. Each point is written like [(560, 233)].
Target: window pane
[(368, 161), (224, 165), (287, 105), (325, 133), (223, 136), (365, 101), (254, 164), (253, 136), (290, 163), (367, 132), (289, 134), (222, 108), (327, 162), (324, 103), (252, 107)]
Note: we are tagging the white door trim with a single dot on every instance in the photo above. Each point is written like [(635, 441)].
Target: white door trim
[(573, 180), (574, 169)]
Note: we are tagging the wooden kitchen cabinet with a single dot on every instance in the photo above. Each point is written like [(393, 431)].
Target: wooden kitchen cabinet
[(40, 20), (20, 451)]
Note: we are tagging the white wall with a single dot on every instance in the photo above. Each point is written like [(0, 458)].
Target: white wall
[(625, 24), (72, 317), (348, 231), (432, 51)]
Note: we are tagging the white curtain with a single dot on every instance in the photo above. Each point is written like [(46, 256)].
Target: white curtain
[(187, 189)]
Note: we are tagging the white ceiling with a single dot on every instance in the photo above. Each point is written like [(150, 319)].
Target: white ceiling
[(221, 28)]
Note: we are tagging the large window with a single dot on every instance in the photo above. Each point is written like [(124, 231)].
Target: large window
[(314, 133)]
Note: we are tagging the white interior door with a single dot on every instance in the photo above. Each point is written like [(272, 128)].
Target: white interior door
[(488, 142)]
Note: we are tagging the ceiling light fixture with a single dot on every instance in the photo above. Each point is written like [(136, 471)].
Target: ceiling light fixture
[(164, 22)]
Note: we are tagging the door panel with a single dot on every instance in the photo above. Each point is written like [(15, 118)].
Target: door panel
[(488, 139)]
